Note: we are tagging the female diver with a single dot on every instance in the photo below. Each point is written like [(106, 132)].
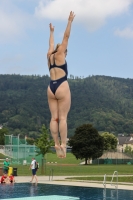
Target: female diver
[(58, 92)]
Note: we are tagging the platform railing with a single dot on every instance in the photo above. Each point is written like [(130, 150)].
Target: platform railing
[(51, 174), (104, 181), (115, 174)]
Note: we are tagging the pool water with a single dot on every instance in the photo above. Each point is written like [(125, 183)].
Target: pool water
[(58, 192)]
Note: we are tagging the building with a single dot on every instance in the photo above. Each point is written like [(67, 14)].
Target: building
[(123, 141)]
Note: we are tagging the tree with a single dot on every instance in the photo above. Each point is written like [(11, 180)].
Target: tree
[(110, 141), (43, 142), (3, 132), (30, 141), (86, 143), (103, 100), (128, 150)]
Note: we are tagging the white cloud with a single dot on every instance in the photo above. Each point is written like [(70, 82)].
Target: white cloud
[(125, 33), (10, 25), (17, 16), (13, 21), (91, 13)]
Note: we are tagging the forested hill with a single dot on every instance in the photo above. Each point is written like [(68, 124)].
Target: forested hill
[(106, 102)]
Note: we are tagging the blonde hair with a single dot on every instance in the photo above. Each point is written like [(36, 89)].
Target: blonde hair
[(57, 46)]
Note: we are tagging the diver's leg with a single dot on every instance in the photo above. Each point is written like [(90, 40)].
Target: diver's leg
[(64, 103), (54, 126), (53, 106)]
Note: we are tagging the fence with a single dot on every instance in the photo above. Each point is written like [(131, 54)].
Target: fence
[(19, 151), (2, 149), (114, 157), (21, 154)]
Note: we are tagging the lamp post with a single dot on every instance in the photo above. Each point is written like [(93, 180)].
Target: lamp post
[(25, 149), (9, 145), (18, 148)]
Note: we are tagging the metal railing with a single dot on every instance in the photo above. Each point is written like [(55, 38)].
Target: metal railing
[(115, 174), (51, 175), (104, 193), (114, 194), (104, 181)]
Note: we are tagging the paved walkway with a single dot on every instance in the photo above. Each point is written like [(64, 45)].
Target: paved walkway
[(61, 180)]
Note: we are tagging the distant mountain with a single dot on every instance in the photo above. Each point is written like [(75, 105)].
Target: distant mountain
[(106, 102)]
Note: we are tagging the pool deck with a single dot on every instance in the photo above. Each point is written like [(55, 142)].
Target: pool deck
[(61, 180)]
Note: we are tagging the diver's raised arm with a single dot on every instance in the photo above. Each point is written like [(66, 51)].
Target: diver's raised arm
[(51, 41), (64, 43)]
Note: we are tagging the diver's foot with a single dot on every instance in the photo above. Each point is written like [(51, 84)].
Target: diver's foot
[(63, 149), (59, 151)]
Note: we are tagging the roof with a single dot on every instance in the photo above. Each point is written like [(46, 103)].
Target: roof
[(123, 139), (115, 155), (129, 142)]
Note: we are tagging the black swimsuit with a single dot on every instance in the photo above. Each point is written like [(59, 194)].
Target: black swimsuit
[(54, 84)]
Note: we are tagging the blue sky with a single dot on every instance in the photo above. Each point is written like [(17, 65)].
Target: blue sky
[(101, 41)]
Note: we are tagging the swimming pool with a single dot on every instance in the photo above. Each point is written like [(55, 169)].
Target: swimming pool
[(45, 191)]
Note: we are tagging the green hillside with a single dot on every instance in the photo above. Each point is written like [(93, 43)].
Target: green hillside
[(106, 102)]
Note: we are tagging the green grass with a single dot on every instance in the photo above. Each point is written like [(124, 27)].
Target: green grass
[(89, 169), (70, 159), (77, 170), (2, 156)]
